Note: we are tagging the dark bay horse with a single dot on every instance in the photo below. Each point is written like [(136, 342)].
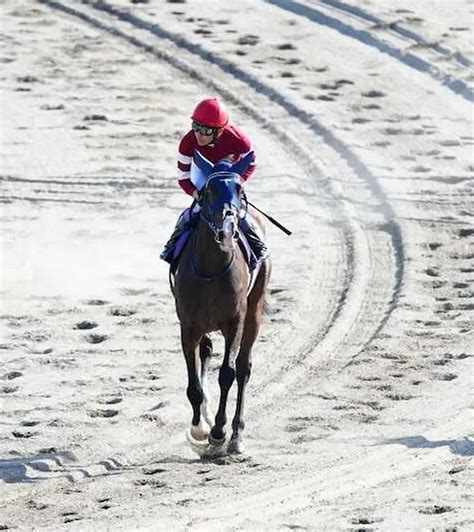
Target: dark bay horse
[(211, 284)]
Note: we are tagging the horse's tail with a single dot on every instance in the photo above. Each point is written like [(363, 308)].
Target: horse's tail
[(266, 307), (266, 302)]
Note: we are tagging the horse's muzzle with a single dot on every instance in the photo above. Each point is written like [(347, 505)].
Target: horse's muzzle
[(229, 233)]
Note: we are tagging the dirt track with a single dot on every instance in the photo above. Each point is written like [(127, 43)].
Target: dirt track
[(359, 408)]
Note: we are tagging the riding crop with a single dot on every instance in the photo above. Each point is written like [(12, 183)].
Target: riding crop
[(271, 219)]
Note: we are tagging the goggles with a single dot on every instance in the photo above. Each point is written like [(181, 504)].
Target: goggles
[(203, 130)]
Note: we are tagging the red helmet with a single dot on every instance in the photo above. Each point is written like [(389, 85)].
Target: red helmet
[(210, 112)]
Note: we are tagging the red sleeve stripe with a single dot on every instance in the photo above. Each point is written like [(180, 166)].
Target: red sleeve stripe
[(187, 186), (184, 167)]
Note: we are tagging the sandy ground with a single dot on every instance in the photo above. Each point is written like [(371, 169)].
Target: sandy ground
[(360, 405)]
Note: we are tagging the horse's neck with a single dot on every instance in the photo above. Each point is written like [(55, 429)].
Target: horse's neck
[(209, 257)]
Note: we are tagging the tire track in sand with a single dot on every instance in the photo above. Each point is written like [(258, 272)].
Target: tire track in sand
[(410, 36), (342, 24)]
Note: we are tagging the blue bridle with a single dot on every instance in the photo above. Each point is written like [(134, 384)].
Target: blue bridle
[(221, 198)]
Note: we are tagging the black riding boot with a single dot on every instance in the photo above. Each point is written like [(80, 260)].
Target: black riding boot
[(257, 245), (181, 225)]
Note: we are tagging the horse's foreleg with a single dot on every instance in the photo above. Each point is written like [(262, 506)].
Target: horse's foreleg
[(205, 352), (243, 371), (190, 342), (233, 335)]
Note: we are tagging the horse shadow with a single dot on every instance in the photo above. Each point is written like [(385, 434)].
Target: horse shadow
[(28, 469), (460, 447)]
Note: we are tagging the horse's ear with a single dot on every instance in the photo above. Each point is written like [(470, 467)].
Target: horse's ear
[(203, 164), (240, 166)]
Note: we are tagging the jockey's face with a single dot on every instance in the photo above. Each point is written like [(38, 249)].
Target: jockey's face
[(204, 134), (203, 140)]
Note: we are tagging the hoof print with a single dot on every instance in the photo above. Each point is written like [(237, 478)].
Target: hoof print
[(8, 389), (27, 79), (250, 40), (85, 325), (463, 233), (122, 311), (373, 94), (150, 470), (96, 302), (455, 470), (325, 98), (29, 423), (399, 397), (12, 375), (96, 338), (24, 434), (110, 400), (366, 520), (203, 31), (109, 412), (436, 509), (286, 46), (95, 118), (154, 418), (153, 483), (447, 377), (49, 107)]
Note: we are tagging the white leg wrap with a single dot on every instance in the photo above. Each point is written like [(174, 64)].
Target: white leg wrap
[(199, 432)]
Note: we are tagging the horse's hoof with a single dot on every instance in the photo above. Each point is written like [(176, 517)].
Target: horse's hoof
[(200, 447), (197, 443), (212, 450), (199, 433), (208, 448), (216, 442), (194, 442), (217, 435), (235, 446)]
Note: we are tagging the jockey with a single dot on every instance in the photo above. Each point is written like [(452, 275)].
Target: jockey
[(215, 139)]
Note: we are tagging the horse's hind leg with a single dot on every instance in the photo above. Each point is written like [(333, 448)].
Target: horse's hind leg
[(190, 342), (205, 352)]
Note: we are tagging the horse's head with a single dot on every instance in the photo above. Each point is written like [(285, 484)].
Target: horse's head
[(221, 198)]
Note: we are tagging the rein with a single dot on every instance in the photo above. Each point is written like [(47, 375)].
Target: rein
[(209, 223)]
